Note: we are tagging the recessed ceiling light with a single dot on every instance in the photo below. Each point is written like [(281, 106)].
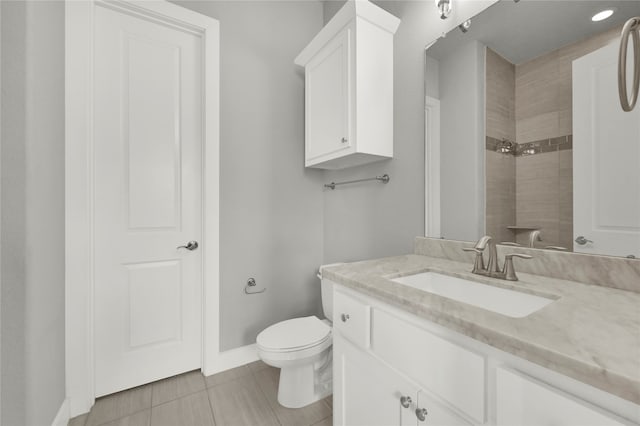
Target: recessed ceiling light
[(601, 16)]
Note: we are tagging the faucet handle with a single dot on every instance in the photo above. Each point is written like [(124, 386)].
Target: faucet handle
[(477, 250), (478, 265), (509, 272), (555, 248)]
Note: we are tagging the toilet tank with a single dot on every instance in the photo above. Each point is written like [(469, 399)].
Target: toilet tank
[(327, 298), (327, 293)]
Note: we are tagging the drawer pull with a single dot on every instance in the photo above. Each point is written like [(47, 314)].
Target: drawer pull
[(344, 317), (405, 401), (421, 414)]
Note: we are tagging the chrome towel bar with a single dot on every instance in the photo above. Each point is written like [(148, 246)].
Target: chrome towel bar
[(384, 179), (631, 28)]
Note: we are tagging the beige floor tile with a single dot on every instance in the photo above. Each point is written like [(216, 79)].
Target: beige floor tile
[(176, 387), (192, 410), (79, 420), (141, 418), (241, 402), (227, 376), (119, 405), (325, 422), (268, 381), (257, 366), (329, 401)]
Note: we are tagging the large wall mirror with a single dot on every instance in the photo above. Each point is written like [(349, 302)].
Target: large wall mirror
[(525, 132)]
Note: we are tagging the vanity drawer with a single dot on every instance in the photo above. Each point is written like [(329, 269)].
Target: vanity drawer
[(521, 400), (449, 371), (351, 318)]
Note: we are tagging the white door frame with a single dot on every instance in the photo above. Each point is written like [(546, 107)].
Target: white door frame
[(431, 167), (79, 185)]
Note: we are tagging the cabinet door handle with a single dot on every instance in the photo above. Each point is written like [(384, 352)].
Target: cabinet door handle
[(405, 401), (344, 317), (421, 414)]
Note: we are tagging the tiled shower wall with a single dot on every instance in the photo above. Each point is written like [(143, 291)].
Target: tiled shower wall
[(500, 169), (531, 102)]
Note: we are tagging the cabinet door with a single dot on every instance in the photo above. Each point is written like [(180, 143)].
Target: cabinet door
[(435, 412), (367, 392), (327, 99), (522, 401)]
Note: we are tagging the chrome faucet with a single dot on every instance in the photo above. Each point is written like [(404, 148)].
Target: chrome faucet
[(533, 237), (492, 269)]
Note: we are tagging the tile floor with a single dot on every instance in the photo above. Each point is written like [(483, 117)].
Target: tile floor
[(246, 395)]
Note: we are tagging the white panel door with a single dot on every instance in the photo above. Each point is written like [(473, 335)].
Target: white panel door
[(148, 144), (327, 99), (606, 159)]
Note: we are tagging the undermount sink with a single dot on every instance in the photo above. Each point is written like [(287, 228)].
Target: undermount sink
[(511, 303)]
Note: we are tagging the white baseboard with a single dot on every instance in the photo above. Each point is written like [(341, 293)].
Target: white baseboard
[(232, 359), (62, 418)]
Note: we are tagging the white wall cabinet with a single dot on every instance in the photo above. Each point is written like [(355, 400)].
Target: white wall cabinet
[(457, 380), (349, 88)]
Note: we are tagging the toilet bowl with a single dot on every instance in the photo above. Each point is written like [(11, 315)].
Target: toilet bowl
[(301, 349)]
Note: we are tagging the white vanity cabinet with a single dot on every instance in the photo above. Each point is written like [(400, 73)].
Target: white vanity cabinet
[(382, 354), (349, 88)]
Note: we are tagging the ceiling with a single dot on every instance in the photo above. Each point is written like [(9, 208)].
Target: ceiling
[(527, 29)]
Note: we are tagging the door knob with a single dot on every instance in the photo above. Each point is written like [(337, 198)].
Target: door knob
[(582, 240), (405, 401), (421, 414), (191, 245)]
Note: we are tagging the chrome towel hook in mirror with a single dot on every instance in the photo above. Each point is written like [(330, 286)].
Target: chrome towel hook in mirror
[(631, 29)]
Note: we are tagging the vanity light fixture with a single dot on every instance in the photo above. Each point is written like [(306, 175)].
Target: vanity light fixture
[(444, 7), (602, 15)]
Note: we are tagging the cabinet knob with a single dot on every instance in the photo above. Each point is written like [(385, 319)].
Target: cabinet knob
[(421, 414), (345, 140), (405, 401), (344, 317)]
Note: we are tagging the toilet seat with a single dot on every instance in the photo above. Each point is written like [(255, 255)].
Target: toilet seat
[(294, 335)]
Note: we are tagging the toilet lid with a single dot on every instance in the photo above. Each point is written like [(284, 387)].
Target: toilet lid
[(293, 334)]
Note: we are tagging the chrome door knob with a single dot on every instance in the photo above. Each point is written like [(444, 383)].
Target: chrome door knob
[(421, 414), (405, 401), (582, 240), (191, 246), (344, 317)]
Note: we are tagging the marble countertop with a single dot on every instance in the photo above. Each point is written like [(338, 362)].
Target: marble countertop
[(590, 333)]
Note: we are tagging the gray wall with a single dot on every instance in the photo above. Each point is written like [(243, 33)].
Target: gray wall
[(32, 223), (374, 220), (462, 143), (271, 206)]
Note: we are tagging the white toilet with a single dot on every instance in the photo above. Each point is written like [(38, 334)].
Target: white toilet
[(301, 349)]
